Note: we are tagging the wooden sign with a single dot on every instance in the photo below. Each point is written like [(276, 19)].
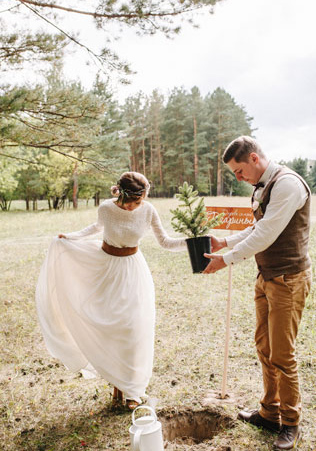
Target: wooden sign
[(236, 218)]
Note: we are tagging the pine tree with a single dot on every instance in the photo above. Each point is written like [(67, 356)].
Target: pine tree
[(154, 123), (189, 220), (198, 132), (228, 121), (135, 118), (8, 183), (178, 156)]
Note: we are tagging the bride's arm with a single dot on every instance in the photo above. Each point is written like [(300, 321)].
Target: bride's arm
[(90, 230), (165, 241)]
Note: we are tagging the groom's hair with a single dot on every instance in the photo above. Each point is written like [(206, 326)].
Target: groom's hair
[(241, 148)]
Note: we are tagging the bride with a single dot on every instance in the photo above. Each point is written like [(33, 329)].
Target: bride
[(95, 300)]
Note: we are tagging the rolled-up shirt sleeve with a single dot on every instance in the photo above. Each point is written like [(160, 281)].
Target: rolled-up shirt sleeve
[(287, 195)]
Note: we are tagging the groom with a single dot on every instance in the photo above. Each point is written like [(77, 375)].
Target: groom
[(279, 242)]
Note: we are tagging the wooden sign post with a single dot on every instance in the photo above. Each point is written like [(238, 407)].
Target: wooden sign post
[(235, 218)]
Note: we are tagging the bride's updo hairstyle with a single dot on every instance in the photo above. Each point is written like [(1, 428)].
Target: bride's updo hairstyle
[(130, 187)]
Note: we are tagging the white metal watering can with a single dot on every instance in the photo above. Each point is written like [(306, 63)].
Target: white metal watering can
[(146, 433)]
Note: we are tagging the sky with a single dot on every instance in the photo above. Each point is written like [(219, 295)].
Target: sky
[(262, 52)]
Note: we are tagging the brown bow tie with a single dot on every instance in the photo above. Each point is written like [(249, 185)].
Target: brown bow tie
[(258, 185)]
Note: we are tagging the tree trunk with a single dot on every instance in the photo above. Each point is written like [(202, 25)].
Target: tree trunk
[(158, 149), (219, 189), (75, 187), (196, 161), (27, 202), (160, 169), (210, 180), (219, 174), (133, 157), (4, 204), (97, 199), (151, 155), (62, 202), (144, 157), (56, 203)]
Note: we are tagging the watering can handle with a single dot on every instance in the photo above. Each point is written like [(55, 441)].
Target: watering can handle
[(144, 407), (136, 444)]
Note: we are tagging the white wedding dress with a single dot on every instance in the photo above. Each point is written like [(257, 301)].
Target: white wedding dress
[(97, 311)]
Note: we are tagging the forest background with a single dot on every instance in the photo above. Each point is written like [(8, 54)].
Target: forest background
[(60, 141)]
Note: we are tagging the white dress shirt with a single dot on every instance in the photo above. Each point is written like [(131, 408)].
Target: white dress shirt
[(287, 195)]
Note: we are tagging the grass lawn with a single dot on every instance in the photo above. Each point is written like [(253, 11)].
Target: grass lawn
[(45, 407)]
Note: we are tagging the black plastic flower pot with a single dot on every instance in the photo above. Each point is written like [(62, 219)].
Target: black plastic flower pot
[(197, 247)]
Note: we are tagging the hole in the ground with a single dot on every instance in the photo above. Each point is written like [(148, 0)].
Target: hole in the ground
[(193, 426)]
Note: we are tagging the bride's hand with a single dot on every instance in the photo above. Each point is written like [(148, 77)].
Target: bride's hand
[(62, 236), (217, 243)]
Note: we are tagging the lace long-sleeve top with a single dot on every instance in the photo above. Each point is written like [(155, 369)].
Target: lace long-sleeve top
[(123, 228)]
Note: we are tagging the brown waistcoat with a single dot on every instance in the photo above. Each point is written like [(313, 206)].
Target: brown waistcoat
[(289, 252)]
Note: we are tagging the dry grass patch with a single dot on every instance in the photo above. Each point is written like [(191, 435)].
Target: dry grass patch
[(46, 408)]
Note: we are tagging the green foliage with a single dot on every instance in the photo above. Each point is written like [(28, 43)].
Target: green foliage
[(18, 48), (178, 151), (52, 129), (8, 183), (312, 178), (193, 222), (146, 17), (227, 120), (182, 137), (167, 139), (299, 165)]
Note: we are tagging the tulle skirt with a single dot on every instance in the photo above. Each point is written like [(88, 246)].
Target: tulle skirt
[(97, 312)]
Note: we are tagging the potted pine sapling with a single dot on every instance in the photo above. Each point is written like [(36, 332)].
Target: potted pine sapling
[(194, 223)]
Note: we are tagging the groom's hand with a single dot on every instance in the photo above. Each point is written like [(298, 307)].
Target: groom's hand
[(216, 263)]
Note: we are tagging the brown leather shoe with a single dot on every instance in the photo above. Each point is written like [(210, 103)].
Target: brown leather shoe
[(288, 437), (253, 417)]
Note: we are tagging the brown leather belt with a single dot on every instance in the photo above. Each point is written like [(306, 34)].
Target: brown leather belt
[(119, 251)]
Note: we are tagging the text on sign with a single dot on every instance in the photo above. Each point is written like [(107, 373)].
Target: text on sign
[(236, 218)]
